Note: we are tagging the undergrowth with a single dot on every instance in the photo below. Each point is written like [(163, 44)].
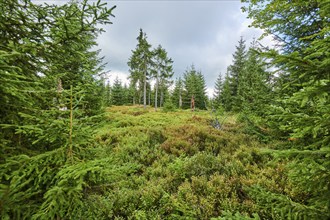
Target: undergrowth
[(187, 168), (142, 164)]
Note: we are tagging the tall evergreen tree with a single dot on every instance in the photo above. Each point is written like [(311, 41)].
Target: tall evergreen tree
[(226, 96), (201, 96), (140, 64), (194, 87), (235, 71), (107, 94), (127, 95), (254, 90), (164, 85), (177, 93), (163, 71), (117, 93), (218, 89)]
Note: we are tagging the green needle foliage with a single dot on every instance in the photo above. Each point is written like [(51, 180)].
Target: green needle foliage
[(63, 157), (177, 93), (254, 90), (117, 93), (218, 89), (140, 65), (146, 64), (49, 81), (194, 86), (226, 97), (236, 71), (301, 112), (48, 51), (163, 71)]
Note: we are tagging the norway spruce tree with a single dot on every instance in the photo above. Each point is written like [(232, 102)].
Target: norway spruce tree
[(21, 56), (254, 91), (126, 95), (48, 87), (107, 96), (218, 89), (301, 111), (177, 93), (163, 71), (226, 95), (164, 84), (194, 87), (140, 64), (236, 70), (117, 93)]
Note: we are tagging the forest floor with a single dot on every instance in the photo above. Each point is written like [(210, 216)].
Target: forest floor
[(184, 168)]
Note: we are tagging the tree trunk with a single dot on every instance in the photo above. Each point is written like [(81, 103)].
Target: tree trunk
[(145, 90), (149, 97), (156, 95), (161, 98), (139, 97), (180, 101)]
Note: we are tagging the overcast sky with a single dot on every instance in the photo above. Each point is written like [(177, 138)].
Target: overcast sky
[(203, 33)]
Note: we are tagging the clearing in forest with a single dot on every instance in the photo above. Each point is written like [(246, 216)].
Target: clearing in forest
[(184, 168)]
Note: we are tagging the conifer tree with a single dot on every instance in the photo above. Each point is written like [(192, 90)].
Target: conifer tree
[(177, 93), (218, 89), (201, 96), (140, 64), (302, 108), (117, 93), (235, 72), (163, 71), (107, 94), (164, 85), (194, 86), (50, 76), (126, 95), (254, 90), (226, 96), (20, 62), (133, 92)]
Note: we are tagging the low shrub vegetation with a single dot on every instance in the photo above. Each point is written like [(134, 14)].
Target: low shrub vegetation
[(185, 168)]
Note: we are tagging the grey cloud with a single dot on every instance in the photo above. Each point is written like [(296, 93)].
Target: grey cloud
[(203, 33)]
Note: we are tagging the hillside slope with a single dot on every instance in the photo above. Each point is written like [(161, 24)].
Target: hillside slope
[(183, 167)]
